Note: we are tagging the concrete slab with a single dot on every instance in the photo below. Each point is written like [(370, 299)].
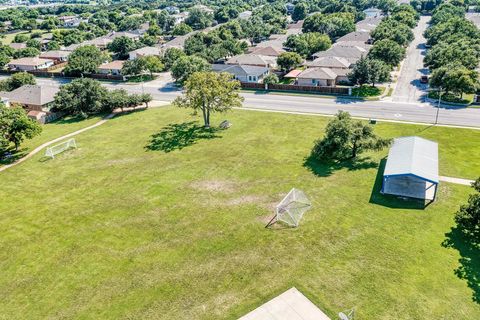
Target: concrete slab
[(290, 305), (464, 182)]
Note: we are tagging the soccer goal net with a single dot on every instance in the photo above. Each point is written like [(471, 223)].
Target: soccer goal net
[(59, 148), (292, 208)]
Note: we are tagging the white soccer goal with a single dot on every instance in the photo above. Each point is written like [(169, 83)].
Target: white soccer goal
[(59, 148), (347, 315), (292, 208)]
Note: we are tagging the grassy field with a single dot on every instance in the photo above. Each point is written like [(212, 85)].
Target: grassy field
[(154, 218), (51, 131)]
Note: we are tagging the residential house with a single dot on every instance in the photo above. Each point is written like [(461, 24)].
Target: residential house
[(172, 9), (30, 64), (58, 56), (144, 52), (330, 62), (204, 8), (324, 77), (70, 21), (266, 51), (35, 99), (243, 73), (245, 15), (113, 68), (177, 42), (474, 18), (17, 45), (368, 24), (180, 17), (253, 60), (357, 37), (372, 12), (295, 28), (344, 50), (135, 35)]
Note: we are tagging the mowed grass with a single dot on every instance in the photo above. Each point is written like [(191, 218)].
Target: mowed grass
[(113, 230), (51, 131)]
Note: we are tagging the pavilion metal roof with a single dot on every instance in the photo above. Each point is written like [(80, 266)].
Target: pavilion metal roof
[(413, 156)]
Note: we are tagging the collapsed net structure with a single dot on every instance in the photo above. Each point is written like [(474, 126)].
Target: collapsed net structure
[(292, 208), (61, 147)]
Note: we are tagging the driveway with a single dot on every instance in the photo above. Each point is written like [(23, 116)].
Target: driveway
[(408, 88)]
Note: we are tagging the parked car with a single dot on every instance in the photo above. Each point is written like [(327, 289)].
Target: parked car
[(424, 79)]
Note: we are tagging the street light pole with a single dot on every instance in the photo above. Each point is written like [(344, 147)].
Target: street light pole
[(439, 103)]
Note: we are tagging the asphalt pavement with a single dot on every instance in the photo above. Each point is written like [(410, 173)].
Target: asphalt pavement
[(418, 112), (408, 87)]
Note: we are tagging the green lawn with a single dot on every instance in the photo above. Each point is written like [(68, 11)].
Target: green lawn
[(113, 230), (51, 131), (467, 98), (367, 91)]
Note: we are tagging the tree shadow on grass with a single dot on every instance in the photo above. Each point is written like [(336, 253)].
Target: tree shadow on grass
[(327, 168), (469, 249), (391, 201), (10, 155), (180, 135)]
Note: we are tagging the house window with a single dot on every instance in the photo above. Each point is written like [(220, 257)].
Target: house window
[(249, 78), (254, 78), (313, 81)]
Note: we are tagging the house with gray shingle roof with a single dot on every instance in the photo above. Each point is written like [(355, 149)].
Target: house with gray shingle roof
[(324, 77), (243, 73), (253, 60), (32, 97)]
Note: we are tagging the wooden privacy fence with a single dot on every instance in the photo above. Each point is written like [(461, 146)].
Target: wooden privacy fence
[(290, 87)]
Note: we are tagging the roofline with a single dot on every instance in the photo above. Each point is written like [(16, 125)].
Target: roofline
[(410, 174), (416, 137)]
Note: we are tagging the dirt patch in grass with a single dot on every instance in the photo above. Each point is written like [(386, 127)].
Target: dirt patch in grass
[(247, 199), (215, 186)]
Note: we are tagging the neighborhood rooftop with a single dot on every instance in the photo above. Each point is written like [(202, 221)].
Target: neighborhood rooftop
[(31, 94)]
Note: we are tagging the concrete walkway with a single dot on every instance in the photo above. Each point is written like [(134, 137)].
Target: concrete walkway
[(290, 305), (464, 182), (99, 123)]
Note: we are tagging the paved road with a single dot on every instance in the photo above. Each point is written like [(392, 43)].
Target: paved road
[(399, 111), (408, 87)]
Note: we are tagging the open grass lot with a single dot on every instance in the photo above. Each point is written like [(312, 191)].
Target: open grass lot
[(51, 131), (115, 231)]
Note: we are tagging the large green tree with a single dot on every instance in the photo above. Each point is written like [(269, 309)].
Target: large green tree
[(121, 46), (16, 126), (82, 97), (346, 138), (199, 19), (171, 55), (468, 217), (16, 81), (370, 71), (300, 11), (181, 29), (308, 43), (186, 66), (393, 30), (210, 92), (387, 51), (465, 51), (455, 78), (84, 60), (334, 25), (289, 60)]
